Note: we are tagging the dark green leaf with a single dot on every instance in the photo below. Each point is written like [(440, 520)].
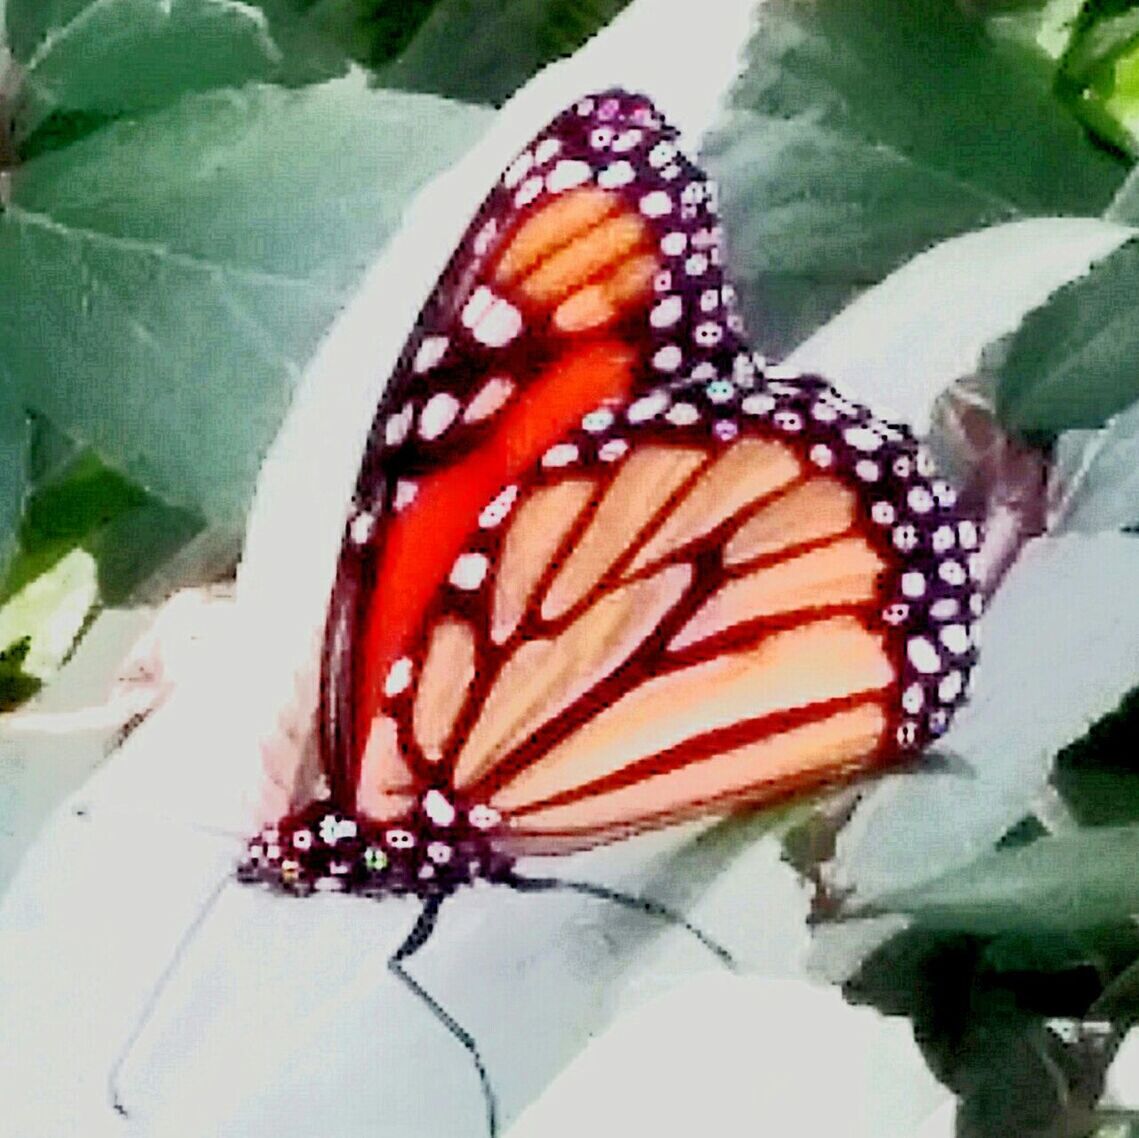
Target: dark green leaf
[(483, 52), (1063, 882), (1103, 492), (16, 685), (373, 32), (984, 1033), (863, 132), (1098, 775), (86, 61), (1104, 30), (164, 282), (15, 450), (1072, 362), (87, 505)]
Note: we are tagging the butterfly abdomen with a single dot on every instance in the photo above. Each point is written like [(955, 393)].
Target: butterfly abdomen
[(432, 850)]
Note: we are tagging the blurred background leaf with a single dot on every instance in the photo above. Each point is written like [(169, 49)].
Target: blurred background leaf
[(483, 52), (1072, 363), (195, 261), (861, 133)]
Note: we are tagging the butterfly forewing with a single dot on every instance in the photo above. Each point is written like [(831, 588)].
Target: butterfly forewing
[(593, 257)]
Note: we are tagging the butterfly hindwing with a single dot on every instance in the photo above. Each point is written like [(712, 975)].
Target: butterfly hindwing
[(695, 600)]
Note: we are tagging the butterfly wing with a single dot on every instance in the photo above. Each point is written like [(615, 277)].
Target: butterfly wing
[(591, 272), (694, 600)]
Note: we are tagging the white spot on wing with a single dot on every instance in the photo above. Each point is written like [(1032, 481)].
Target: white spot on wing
[(923, 656), (667, 312), (647, 408), (518, 169), (495, 511), (528, 191), (362, 528), (561, 455), (477, 306), (567, 174), (437, 808), (437, 415), (656, 204), (546, 149), (430, 353), (862, 438), (489, 398), (615, 175), (397, 426), (399, 676), (469, 570), (404, 494), (499, 326)]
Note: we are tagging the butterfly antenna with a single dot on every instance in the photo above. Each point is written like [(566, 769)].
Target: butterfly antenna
[(627, 900), (416, 939), (148, 1008)]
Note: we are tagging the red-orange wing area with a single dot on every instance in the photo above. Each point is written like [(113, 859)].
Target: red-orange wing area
[(594, 257), (679, 607)]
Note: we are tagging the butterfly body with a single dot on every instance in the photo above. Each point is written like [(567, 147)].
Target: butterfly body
[(433, 850)]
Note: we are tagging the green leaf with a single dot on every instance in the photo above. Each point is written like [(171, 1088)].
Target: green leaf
[(1061, 618), (164, 282), (87, 61), (16, 685), (370, 31), (1102, 492), (863, 132), (15, 448), (482, 53), (85, 504), (1104, 30), (1098, 72), (1125, 205), (1062, 882), (985, 1033), (49, 613), (904, 341), (1097, 775), (1074, 362)]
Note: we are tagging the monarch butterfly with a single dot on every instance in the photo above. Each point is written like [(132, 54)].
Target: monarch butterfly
[(602, 572)]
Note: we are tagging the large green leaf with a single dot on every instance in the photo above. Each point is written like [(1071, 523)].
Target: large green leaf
[(483, 52), (371, 31), (1103, 491), (1097, 775), (163, 282), (81, 61), (1073, 362), (15, 456), (86, 505), (1059, 649), (986, 1033), (862, 132), (1064, 882)]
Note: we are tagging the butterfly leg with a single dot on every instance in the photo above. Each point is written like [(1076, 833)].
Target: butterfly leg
[(416, 939), (637, 904)]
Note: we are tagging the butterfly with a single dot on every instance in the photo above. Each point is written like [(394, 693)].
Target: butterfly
[(602, 571)]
